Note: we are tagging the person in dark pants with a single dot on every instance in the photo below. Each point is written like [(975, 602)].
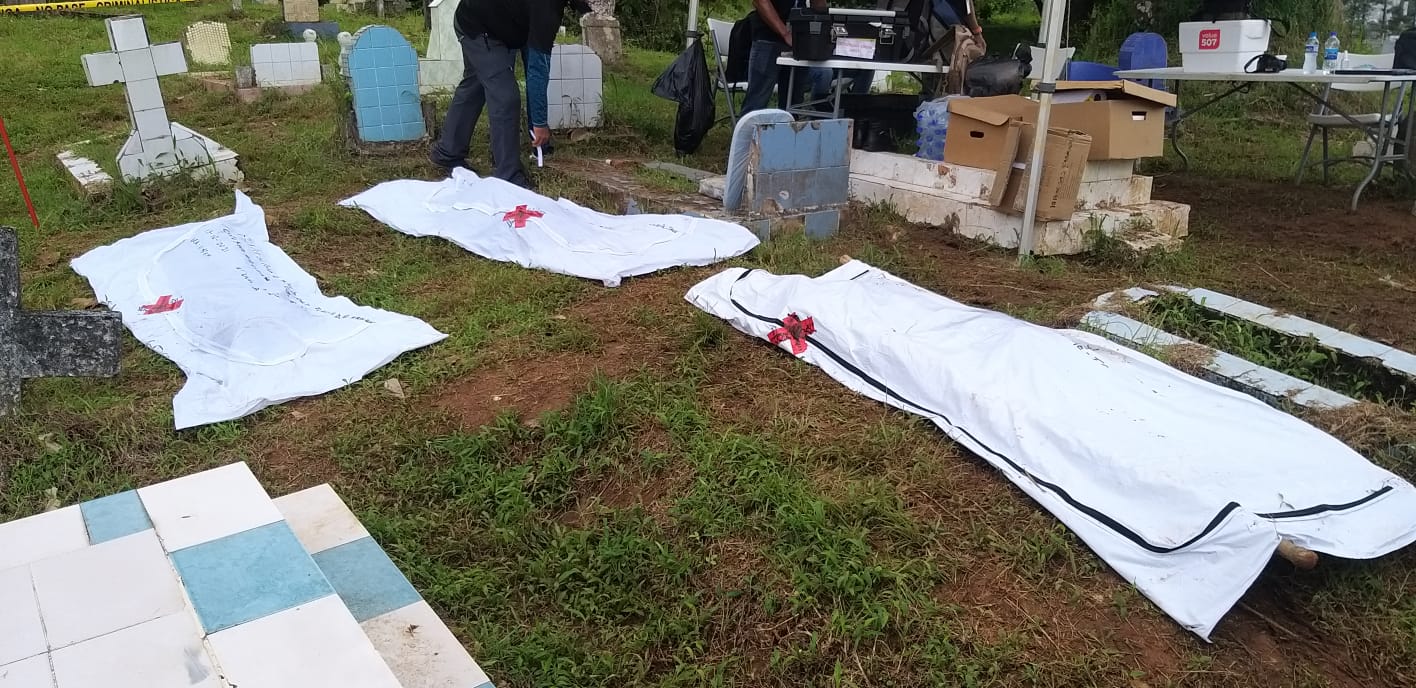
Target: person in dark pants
[(491, 33), (771, 36)]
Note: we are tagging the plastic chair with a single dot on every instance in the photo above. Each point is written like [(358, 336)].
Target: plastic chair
[(721, 33), (1323, 120), (1090, 71), (1145, 51)]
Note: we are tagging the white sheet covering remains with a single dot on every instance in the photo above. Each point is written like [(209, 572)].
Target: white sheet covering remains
[(481, 215), (248, 327), (1183, 487)]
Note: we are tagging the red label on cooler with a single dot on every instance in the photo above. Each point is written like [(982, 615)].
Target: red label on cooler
[(1209, 39)]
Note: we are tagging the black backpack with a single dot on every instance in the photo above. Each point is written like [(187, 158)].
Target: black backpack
[(1406, 50), (739, 48)]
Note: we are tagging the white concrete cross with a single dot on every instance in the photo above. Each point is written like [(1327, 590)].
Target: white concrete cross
[(136, 63)]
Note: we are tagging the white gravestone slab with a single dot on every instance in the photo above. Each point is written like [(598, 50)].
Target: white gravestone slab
[(209, 43), (441, 70), (286, 64), (157, 146), (576, 91)]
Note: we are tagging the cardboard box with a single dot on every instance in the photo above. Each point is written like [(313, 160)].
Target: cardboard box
[(1064, 160), (980, 132), (1125, 119)]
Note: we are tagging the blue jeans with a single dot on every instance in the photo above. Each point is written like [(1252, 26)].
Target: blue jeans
[(763, 75), (488, 83)]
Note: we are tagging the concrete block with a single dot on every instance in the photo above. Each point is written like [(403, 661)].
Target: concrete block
[(1108, 170), (90, 179), (823, 224), (1133, 190)]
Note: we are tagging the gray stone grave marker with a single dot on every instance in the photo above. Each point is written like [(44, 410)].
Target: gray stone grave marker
[(48, 344)]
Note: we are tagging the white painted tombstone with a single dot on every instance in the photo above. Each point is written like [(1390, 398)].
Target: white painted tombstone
[(576, 92), (346, 41), (441, 70), (286, 64), (157, 146), (209, 43)]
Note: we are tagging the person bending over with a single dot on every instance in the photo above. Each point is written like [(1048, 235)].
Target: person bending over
[(491, 33)]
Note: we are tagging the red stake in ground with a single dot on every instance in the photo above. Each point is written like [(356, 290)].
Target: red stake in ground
[(795, 330), (15, 165), (519, 216), (165, 304)]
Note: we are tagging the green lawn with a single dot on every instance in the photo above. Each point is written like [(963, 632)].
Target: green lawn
[(694, 508)]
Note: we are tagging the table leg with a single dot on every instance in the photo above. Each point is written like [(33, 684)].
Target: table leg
[(1379, 155), (791, 86), (1182, 115), (837, 77)]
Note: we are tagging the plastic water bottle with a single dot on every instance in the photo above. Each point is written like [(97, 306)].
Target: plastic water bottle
[(1310, 54), (1330, 51)]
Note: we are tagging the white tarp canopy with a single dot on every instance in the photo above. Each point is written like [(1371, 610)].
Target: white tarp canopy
[(248, 327), (1183, 487), (501, 221)]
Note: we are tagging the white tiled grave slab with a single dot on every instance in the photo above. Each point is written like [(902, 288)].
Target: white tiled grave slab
[(286, 64), (576, 91), (202, 582), (206, 506)]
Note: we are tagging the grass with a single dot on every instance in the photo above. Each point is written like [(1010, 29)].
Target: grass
[(703, 511), (1301, 357)]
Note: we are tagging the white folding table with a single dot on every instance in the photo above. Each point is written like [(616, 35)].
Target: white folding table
[(837, 67), (1302, 82)]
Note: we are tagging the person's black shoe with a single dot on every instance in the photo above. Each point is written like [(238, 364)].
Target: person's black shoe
[(446, 168)]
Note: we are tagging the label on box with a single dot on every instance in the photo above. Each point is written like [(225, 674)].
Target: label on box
[(858, 48), (1209, 39)]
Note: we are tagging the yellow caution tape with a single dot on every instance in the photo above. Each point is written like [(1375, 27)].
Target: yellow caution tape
[(78, 5)]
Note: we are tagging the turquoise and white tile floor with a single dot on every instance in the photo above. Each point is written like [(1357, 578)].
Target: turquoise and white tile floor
[(205, 582)]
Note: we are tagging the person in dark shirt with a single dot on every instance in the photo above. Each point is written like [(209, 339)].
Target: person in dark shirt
[(771, 36), (956, 12), (491, 33)]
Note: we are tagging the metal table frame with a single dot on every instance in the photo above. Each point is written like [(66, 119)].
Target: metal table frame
[(1299, 81), (805, 109)]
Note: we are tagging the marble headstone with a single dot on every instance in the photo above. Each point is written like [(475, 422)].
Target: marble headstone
[(48, 344)]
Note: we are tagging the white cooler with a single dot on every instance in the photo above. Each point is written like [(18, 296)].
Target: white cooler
[(1222, 46)]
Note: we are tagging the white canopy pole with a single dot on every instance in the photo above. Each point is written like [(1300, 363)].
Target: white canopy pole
[(1054, 16), (692, 21)]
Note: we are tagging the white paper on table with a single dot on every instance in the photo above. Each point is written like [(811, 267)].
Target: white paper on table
[(859, 48)]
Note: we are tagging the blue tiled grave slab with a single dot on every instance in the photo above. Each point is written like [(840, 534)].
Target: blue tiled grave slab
[(204, 582), (249, 575), (115, 516), (366, 579), (383, 71)]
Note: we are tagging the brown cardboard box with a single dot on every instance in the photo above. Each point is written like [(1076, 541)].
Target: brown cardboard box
[(979, 132), (1125, 119), (1063, 162)]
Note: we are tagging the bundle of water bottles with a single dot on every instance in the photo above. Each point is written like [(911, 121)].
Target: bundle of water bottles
[(932, 124)]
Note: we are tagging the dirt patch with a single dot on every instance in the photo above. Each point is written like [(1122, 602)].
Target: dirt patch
[(526, 388), (1304, 252)]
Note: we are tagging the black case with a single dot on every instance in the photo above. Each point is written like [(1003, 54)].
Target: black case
[(814, 34)]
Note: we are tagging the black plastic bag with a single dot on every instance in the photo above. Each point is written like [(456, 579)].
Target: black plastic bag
[(995, 76), (687, 83)]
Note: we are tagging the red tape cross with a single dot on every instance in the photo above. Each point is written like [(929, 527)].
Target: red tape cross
[(519, 216), (795, 330), (165, 304)]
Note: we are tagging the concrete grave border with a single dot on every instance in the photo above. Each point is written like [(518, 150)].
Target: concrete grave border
[(1222, 368)]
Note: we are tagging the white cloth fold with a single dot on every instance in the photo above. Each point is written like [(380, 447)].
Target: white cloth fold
[(1183, 487), (248, 327), (502, 221)]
